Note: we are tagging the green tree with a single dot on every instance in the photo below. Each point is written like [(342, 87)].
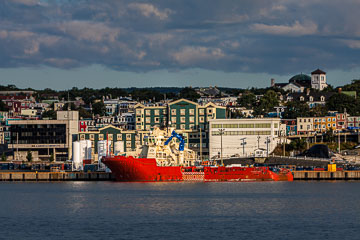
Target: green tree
[(267, 103), (3, 157), (99, 108), (296, 109), (29, 156), (52, 158), (51, 114), (84, 113), (318, 111), (72, 106), (341, 102), (189, 93), (2, 106), (247, 100), (329, 136), (298, 144)]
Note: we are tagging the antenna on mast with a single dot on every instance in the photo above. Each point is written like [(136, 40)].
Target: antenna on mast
[(69, 102)]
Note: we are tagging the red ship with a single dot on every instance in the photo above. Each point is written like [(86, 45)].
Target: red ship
[(163, 159), (131, 169)]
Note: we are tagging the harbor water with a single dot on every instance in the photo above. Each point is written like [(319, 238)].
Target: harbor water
[(113, 210)]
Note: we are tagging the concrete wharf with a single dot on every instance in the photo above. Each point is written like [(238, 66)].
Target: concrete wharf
[(325, 175), (55, 176), (102, 176)]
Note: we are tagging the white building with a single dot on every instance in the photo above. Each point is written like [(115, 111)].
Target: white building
[(318, 80), (305, 125), (258, 133)]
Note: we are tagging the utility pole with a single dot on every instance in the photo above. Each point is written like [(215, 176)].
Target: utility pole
[(267, 146), (243, 145), (17, 146), (284, 144), (339, 141), (221, 131), (200, 145)]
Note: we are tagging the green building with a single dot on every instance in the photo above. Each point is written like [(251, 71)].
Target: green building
[(186, 117), (112, 134)]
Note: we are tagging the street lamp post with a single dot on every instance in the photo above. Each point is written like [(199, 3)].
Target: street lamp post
[(243, 145), (267, 146), (221, 131)]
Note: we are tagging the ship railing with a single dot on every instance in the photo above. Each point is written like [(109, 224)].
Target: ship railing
[(304, 158)]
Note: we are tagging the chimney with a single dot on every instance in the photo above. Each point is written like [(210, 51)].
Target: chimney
[(339, 90), (307, 91), (273, 82)]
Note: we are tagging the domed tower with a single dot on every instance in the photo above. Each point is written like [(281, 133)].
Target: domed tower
[(318, 79), (301, 79)]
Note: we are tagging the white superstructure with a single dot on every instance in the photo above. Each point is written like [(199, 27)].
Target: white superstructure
[(242, 137)]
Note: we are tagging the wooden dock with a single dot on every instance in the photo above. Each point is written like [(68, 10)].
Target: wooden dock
[(55, 176)]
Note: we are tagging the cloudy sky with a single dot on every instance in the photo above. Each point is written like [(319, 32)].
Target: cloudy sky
[(234, 43)]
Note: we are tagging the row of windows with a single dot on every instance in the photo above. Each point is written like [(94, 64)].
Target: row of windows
[(244, 125), (110, 137), (323, 126), (175, 111), (234, 133), (317, 119)]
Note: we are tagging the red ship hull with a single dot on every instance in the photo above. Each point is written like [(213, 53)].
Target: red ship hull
[(130, 169)]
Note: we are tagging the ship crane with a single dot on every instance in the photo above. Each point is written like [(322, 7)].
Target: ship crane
[(181, 145)]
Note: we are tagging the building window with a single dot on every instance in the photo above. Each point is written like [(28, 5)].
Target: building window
[(322, 98), (192, 119), (82, 136), (110, 137), (147, 112), (173, 111), (201, 111), (210, 111), (138, 112), (182, 126), (101, 136), (157, 112), (128, 144), (182, 119), (201, 119), (311, 99), (128, 136), (157, 120), (147, 120), (92, 137), (119, 137), (191, 111)]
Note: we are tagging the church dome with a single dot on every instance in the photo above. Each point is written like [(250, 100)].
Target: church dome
[(300, 78)]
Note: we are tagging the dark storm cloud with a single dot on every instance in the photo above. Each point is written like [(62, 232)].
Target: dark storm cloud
[(277, 37)]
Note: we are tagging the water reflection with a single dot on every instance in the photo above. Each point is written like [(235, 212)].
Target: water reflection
[(298, 210)]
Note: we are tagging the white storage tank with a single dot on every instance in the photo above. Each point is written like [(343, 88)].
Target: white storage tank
[(77, 161), (88, 150), (119, 147), (103, 151), (83, 149)]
